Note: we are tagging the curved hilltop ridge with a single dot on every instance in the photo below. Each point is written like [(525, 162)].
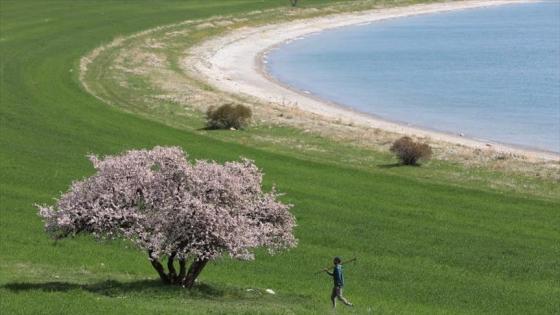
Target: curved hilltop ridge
[(183, 69)]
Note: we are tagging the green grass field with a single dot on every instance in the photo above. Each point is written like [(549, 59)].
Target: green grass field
[(426, 244)]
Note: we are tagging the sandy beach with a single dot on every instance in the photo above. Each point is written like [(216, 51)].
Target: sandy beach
[(233, 63)]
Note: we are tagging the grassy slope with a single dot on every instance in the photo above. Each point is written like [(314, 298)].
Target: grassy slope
[(424, 246)]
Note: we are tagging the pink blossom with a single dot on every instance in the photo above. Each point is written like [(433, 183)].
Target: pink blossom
[(171, 207)]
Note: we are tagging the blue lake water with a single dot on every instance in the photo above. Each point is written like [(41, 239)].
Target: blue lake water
[(490, 73)]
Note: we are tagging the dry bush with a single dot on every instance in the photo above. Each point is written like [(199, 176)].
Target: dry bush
[(409, 152), (228, 116)]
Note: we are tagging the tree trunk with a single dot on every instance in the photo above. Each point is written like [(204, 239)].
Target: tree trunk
[(194, 271), (185, 278), (182, 268), (172, 273), (159, 268)]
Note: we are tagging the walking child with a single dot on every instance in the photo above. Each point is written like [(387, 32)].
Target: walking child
[(338, 278)]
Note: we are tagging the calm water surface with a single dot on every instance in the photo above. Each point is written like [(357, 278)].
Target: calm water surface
[(490, 73)]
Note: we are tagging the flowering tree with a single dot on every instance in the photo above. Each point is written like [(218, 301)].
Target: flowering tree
[(174, 209)]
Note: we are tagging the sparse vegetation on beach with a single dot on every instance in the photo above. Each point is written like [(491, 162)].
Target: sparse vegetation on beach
[(410, 152), (228, 116)]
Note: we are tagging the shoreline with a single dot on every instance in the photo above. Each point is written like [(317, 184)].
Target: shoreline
[(489, 143), (234, 63)]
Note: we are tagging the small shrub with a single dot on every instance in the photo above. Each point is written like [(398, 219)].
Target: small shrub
[(228, 116), (409, 152)]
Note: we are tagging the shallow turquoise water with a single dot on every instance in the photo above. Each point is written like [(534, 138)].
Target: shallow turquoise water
[(489, 73)]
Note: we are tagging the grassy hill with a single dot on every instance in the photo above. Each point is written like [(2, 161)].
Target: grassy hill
[(425, 244)]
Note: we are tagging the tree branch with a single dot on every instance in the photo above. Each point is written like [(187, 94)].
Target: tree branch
[(194, 271), (182, 268), (158, 267), (171, 268)]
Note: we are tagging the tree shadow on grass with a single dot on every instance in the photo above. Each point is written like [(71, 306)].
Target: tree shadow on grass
[(112, 288), (390, 165), (219, 129)]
